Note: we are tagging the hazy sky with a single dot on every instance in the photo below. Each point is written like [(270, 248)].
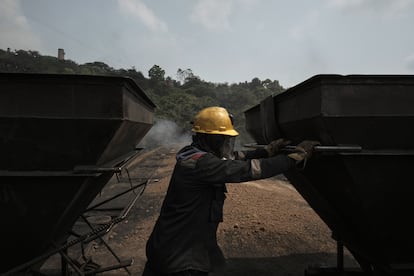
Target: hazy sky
[(220, 40)]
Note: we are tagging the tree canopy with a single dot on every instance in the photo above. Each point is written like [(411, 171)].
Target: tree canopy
[(176, 100)]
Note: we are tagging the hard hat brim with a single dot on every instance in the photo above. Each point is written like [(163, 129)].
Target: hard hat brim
[(230, 132)]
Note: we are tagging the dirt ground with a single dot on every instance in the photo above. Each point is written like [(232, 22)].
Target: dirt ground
[(268, 228)]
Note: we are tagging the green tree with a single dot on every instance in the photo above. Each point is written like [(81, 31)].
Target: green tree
[(273, 86), (184, 75), (156, 74), (178, 101), (255, 83)]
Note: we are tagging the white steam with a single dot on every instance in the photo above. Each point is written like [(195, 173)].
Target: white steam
[(165, 133)]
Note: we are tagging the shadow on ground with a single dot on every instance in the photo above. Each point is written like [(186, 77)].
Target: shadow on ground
[(291, 265)]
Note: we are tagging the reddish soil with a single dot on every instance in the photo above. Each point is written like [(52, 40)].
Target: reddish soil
[(268, 228)]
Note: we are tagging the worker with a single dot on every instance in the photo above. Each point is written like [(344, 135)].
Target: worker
[(183, 241)]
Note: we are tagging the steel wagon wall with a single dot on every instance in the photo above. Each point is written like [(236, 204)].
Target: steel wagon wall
[(364, 197), (61, 138)]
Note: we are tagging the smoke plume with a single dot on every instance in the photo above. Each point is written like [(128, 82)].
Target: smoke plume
[(165, 133)]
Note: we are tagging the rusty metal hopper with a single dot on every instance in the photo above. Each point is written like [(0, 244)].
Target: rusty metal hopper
[(359, 181), (62, 137)]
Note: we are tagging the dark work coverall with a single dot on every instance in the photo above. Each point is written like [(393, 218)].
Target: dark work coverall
[(184, 236)]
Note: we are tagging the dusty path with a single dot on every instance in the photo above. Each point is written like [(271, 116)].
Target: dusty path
[(268, 228)]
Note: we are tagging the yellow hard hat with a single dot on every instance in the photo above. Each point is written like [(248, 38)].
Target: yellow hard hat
[(214, 120)]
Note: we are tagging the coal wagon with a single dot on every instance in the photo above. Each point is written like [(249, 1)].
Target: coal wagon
[(359, 180), (62, 137)]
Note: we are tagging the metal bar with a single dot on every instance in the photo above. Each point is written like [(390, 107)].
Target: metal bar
[(106, 245), (100, 231), (132, 203), (254, 145), (347, 150), (383, 152), (82, 170), (339, 149), (95, 169), (122, 264), (70, 262), (115, 196), (123, 215), (336, 149), (333, 149), (107, 229), (124, 160), (340, 256), (107, 209), (46, 173), (64, 263)]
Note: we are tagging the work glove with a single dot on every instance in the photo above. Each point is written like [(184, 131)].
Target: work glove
[(303, 151), (274, 147)]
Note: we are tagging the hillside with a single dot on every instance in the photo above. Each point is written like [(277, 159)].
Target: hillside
[(177, 99)]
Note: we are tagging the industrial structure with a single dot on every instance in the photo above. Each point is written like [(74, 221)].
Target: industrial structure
[(359, 181)]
